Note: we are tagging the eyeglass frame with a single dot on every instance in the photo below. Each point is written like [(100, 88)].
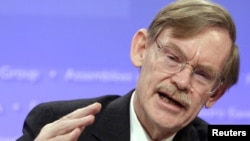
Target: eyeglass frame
[(182, 65)]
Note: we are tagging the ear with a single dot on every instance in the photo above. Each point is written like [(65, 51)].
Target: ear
[(138, 46), (216, 96)]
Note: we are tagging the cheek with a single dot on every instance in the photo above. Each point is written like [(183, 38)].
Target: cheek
[(151, 68), (198, 101), (147, 81), (150, 77), (148, 72)]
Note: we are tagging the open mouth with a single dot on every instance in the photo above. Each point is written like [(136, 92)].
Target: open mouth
[(168, 99)]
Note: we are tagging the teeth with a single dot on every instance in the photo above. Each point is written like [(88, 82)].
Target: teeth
[(168, 100)]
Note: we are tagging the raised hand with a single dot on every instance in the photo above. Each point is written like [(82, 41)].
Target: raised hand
[(70, 126)]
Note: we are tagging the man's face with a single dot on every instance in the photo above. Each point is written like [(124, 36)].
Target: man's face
[(165, 101)]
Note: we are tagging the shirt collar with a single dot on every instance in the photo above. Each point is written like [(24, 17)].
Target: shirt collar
[(137, 132)]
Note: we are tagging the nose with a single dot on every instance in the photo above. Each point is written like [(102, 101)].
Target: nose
[(183, 78)]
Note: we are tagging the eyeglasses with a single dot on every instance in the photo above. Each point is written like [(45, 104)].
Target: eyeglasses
[(202, 79)]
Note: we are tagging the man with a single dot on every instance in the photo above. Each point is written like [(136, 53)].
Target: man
[(187, 58)]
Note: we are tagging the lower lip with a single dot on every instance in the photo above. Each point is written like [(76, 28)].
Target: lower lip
[(168, 105)]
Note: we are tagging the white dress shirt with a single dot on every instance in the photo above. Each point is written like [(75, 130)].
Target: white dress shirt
[(137, 132)]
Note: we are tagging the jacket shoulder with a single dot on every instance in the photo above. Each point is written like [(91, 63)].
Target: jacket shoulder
[(197, 130), (201, 126), (66, 106)]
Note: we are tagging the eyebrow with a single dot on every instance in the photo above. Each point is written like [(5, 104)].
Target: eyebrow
[(207, 68), (177, 48)]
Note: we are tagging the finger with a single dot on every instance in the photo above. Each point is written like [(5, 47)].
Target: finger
[(71, 136), (67, 125), (77, 119), (81, 112), (61, 127)]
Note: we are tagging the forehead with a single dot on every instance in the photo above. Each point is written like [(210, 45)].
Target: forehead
[(210, 47)]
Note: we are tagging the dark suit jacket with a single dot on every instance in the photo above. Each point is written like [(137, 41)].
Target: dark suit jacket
[(111, 124)]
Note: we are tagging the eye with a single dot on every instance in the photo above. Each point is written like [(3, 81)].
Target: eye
[(172, 55), (203, 75)]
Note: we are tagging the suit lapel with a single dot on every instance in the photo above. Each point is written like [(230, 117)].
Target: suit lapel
[(114, 123), (188, 133)]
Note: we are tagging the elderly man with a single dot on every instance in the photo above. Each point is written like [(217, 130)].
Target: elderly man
[(187, 59)]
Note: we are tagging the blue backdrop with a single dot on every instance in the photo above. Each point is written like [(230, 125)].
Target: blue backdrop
[(67, 49)]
